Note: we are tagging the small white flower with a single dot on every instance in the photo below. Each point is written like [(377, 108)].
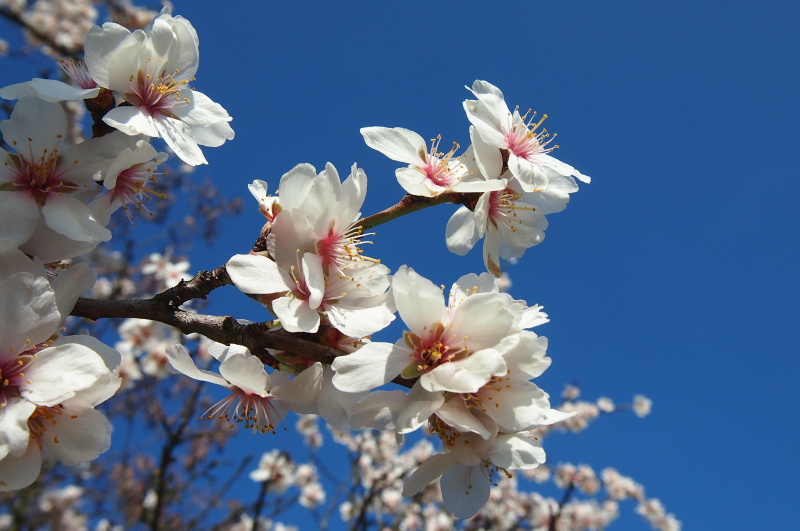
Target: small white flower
[(258, 400), (151, 70), (516, 135), (430, 172)]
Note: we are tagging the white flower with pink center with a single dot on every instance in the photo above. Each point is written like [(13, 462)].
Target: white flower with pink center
[(49, 388), (470, 466), (518, 137), (257, 400), (430, 172), (315, 269), (47, 179), (319, 214), (151, 70), (456, 349), (352, 298), (127, 181), (509, 224)]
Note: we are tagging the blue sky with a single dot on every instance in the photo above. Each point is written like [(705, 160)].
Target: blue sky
[(673, 274)]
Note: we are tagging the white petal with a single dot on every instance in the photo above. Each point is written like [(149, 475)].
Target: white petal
[(103, 47), (315, 279), (302, 390), (432, 468), (467, 375), (48, 90), (28, 313), (180, 361), (19, 472), (461, 233), (371, 366), (247, 373), (464, 491), (377, 410), (68, 216), (208, 120), (20, 216), (255, 274), (132, 121), (419, 301), (59, 371), (77, 435), (420, 405), (456, 414), (516, 452), (15, 433), (296, 315), (35, 126), (398, 143), (180, 138)]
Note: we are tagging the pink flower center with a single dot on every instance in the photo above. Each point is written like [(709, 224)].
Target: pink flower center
[(503, 207), (131, 188), (435, 349), (12, 376), (258, 413), (523, 141), (337, 249), (157, 96), (78, 72), (441, 168), (39, 176)]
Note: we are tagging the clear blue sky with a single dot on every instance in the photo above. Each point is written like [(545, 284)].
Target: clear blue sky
[(674, 274)]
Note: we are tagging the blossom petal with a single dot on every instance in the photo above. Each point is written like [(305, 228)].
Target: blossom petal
[(398, 143), (296, 315), (467, 375), (371, 366), (517, 452), (60, 371), (301, 390), (28, 313), (20, 216), (247, 373), (68, 216), (255, 274), (48, 90), (181, 362), (77, 435), (428, 471), (15, 433), (464, 491), (19, 472), (419, 301)]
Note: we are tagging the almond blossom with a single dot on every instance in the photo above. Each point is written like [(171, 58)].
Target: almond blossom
[(258, 400), (314, 268), (47, 180), (456, 349), (516, 135), (50, 387), (470, 467), (430, 172), (150, 70), (510, 219)]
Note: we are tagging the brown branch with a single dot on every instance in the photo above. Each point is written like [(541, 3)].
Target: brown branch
[(257, 337)]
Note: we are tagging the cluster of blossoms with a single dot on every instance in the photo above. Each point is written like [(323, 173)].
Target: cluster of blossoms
[(467, 359), (56, 200)]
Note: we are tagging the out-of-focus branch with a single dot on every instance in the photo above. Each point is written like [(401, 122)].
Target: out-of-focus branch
[(17, 19)]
